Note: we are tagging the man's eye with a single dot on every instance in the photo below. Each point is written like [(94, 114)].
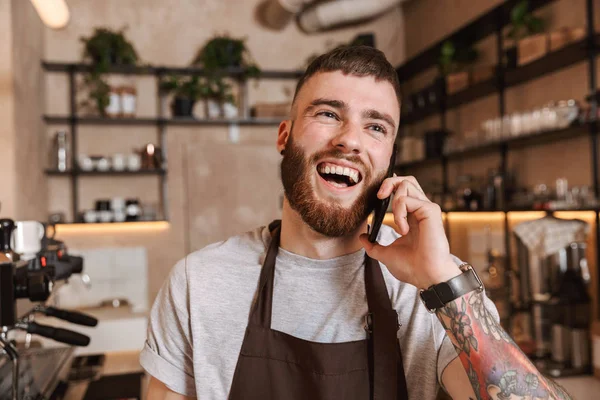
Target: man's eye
[(327, 114), (378, 128)]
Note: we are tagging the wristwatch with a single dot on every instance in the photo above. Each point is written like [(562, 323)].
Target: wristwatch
[(437, 296)]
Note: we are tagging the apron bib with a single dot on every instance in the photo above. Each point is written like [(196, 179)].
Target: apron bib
[(273, 365)]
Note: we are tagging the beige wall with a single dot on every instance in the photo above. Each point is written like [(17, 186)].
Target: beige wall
[(170, 33), (21, 104), (7, 129), (28, 52)]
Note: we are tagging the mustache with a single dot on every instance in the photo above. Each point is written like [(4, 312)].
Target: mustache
[(339, 154)]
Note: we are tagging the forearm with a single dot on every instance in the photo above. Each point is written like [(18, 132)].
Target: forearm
[(496, 367)]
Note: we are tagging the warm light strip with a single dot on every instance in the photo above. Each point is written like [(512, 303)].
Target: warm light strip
[(525, 215), (586, 215), (479, 216), (512, 215), (115, 227)]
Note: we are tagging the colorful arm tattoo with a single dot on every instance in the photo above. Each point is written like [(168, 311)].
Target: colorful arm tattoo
[(495, 365)]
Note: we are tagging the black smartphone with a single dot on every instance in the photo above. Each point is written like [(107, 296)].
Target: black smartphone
[(382, 205)]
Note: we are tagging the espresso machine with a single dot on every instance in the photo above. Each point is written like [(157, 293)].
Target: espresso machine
[(553, 294), (27, 372)]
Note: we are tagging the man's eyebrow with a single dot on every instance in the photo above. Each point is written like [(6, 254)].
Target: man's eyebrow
[(328, 102), (374, 114)]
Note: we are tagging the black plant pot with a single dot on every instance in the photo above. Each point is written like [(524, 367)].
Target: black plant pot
[(182, 106), (510, 57)]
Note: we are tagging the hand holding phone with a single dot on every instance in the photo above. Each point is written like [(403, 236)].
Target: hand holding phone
[(382, 204)]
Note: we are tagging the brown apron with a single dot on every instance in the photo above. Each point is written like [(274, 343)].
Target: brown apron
[(276, 366)]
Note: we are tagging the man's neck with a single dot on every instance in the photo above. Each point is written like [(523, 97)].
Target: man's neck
[(298, 238)]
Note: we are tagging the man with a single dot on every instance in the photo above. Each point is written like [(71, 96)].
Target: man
[(229, 324)]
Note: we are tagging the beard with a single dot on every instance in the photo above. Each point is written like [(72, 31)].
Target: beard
[(328, 218)]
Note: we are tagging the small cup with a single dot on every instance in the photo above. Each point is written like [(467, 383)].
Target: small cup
[(90, 216), (105, 215), (134, 162), (103, 164), (119, 162), (119, 215), (85, 162), (117, 203)]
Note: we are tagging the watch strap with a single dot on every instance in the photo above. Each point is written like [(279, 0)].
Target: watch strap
[(439, 295)]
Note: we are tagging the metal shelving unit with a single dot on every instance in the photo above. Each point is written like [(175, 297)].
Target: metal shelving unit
[(79, 172), (161, 121), (492, 23)]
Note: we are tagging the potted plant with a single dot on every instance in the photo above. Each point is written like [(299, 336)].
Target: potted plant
[(106, 48), (454, 63), (186, 92), (524, 24), (222, 52), (219, 99), (103, 49)]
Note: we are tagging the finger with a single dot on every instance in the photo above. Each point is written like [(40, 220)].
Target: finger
[(384, 254), (390, 185), (405, 189), (420, 209)]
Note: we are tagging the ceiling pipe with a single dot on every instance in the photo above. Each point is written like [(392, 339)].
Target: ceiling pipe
[(276, 14)]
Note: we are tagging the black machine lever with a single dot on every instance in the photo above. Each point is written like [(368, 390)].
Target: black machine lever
[(58, 334), (71, 316)]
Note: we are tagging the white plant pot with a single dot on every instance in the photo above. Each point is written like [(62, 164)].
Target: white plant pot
[(230, 110), (213, 109)]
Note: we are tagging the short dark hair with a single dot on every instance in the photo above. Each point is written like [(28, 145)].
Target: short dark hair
[(354, 60)]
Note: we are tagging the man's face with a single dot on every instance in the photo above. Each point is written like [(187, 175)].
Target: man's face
[(337, 149)]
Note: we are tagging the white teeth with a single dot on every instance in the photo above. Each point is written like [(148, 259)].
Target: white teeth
[(352, 174)]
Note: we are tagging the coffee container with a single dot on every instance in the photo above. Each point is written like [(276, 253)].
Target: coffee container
[(60, 150)]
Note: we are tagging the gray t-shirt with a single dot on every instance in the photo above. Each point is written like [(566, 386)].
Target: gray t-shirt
[(198, 320)]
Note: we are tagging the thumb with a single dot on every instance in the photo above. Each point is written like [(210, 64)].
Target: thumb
[(374, 250)]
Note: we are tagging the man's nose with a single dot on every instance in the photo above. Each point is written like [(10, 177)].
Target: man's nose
[(349, 139)]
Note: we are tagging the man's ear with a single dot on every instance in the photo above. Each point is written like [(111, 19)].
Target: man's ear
[(285, 127)]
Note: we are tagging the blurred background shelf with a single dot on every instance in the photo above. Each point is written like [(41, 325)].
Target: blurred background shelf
[(53, 172)]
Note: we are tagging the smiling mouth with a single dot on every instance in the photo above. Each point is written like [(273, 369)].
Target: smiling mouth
[(338, 176)]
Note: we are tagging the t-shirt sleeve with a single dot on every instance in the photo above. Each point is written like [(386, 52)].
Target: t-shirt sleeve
[(447, 353), (167, 354)]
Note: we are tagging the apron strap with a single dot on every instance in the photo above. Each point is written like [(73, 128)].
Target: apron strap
[(260, 313), (387, 370)]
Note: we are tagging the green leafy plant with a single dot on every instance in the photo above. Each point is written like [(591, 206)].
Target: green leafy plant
[(192, 87), (196, 88), (453, 58), (103, 49), (222, 52), (219, 90), (523, 23)]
